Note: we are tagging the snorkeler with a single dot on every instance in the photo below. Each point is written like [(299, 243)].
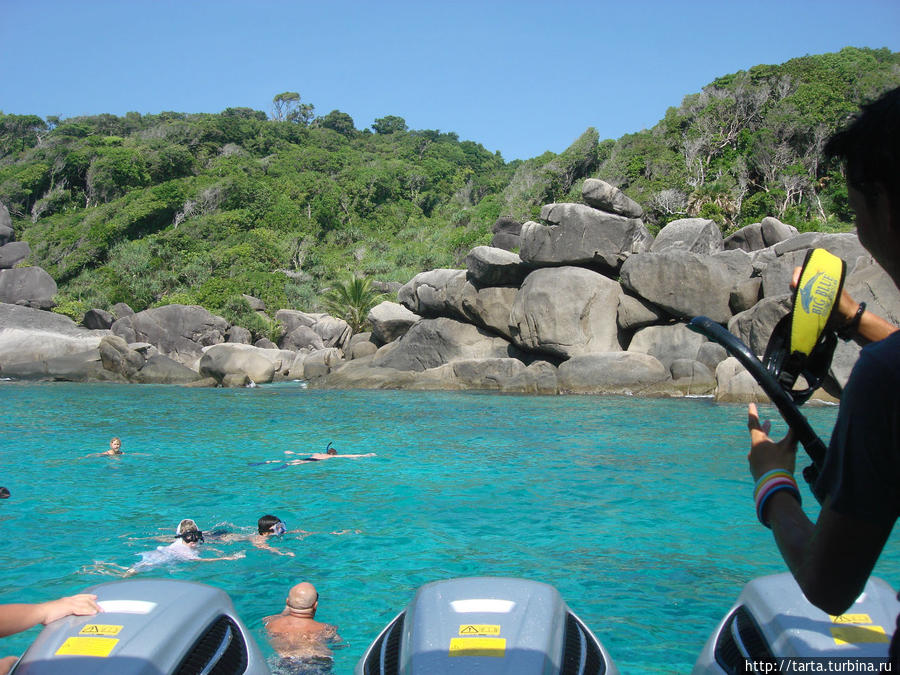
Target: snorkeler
[(188, 538), (272, 526), (330, 453)]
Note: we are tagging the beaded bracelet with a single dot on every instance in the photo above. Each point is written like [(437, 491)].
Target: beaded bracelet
[(846, 331), (770, 483)]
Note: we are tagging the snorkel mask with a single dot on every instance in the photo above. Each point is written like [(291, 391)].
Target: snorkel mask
[(278, 528), (190, 536)]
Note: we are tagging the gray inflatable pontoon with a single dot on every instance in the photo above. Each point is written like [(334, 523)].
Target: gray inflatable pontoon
[(148, 627), (773, 628), (480, 625)]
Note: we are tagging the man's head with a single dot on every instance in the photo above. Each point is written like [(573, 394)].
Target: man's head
[(269, 524), (870, 147), (4, 493), (302, 600), (329, 450)]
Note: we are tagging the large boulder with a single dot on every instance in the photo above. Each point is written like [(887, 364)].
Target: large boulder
[(83, 366), (735, 385), (302, 337), (390, 320), (332, 331), (755, 326), (177, 331), (320, 363), (566, 311), (28, 286), (778, 262), (506, 234), (221, 360), (117, 357), (684, 284), (635, 313), (738, 263), (501, 374), (239, 335), (98, 319), (692, 378), (13, 253), (748, 238), (121, 309), (577, 234), (434, 342), (361, 345), (489, 266), (489, 307), (668, 343), (869, 283), (362, 374), (435, 293), (6, 229), (696, 235), (28, 334), (161, 369), (774, 231), (601, 195), (612, 373)]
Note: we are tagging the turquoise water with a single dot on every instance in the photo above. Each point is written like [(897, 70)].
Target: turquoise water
[(639, 511)]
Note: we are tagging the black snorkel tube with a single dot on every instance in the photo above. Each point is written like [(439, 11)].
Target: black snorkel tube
[(789, 410)]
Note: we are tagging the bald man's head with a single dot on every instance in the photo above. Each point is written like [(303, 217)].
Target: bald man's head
[(302, 599)]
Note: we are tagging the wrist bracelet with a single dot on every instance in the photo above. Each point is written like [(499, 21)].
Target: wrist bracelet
[(770, 483), (846, 331)]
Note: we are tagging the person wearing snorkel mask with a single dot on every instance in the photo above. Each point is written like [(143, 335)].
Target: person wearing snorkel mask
[(272, 526), (188, 538)]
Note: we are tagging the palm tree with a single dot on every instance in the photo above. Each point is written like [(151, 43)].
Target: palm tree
[(351, 300)]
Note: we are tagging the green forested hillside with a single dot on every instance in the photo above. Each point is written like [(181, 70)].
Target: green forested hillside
[(200, 208)]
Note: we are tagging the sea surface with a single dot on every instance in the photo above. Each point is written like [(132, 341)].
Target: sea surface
[(639, 511)]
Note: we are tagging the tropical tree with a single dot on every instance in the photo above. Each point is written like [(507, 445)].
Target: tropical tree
[(390, 124), (351, 300), (286, 107)]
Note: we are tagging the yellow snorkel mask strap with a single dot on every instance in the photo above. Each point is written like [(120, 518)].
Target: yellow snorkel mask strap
[(803, 342)]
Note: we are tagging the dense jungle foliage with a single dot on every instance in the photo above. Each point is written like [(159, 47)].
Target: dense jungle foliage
[(201, 208)]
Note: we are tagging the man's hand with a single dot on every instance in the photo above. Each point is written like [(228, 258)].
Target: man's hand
[(766, 454)]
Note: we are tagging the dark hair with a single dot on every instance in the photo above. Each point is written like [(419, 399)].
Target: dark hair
[(870, 146), (265, 523), (4, 493)]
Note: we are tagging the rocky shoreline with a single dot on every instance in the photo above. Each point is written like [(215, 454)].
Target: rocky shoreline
[(590, 303)]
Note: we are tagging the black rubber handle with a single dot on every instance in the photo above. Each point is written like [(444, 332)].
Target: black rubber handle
[(813, 445)]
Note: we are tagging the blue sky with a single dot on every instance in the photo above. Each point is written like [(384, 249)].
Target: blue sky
[(521, 77)]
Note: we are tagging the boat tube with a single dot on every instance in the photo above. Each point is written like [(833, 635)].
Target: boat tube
[(773, 628), (479, 625), (148, 627)]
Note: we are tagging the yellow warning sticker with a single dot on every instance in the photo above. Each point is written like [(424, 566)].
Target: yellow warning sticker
[(87, 646), (849, 634), (479, 629), (100, 629), (477, 646), (851, 618)]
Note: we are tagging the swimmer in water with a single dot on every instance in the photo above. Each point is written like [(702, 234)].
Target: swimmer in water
[(272, 526), (115, 448), (188, 538), (330, 453), (295, 633)]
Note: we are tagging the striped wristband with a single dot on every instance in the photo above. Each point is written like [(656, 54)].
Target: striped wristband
[(770, 483)]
